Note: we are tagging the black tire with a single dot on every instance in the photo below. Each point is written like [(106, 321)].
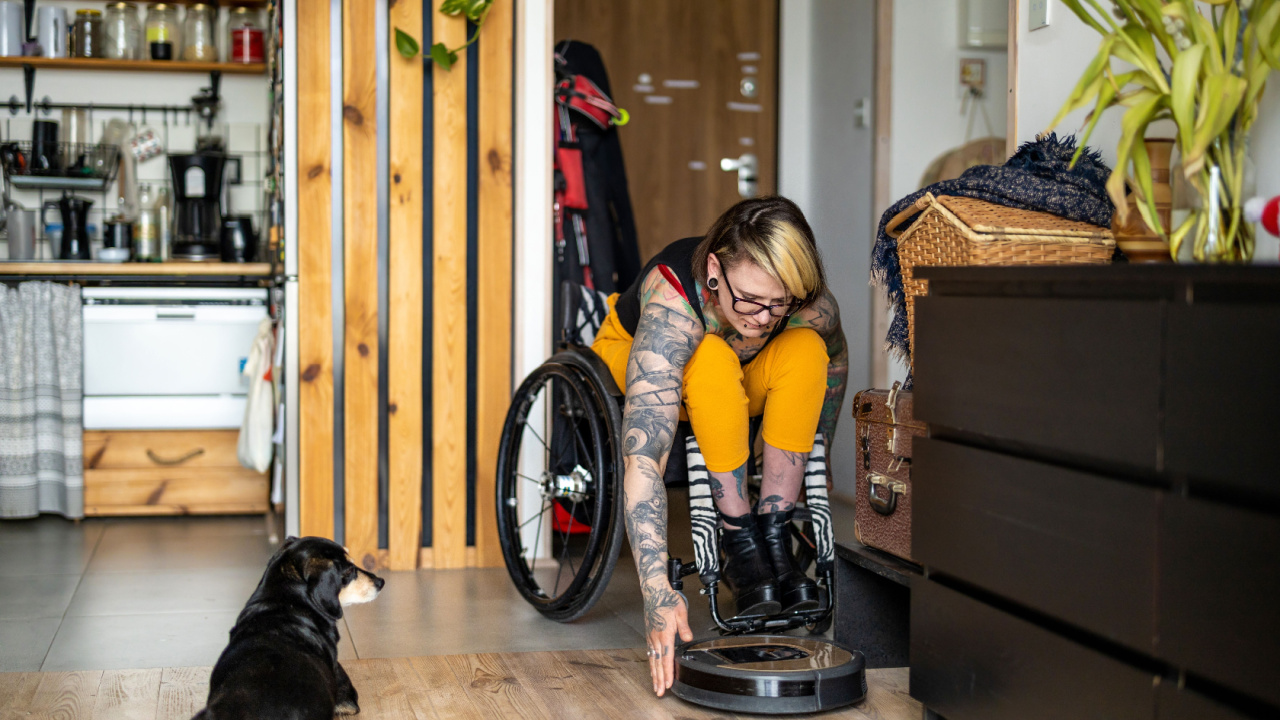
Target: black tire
[(585, 422)]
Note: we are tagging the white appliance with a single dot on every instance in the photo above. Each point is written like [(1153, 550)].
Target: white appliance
[(167, 357)]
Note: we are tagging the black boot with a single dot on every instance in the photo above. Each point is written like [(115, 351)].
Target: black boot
[(798, 591), (747, 572)]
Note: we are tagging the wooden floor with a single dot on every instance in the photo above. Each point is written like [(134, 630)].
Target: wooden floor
[(567, 684)]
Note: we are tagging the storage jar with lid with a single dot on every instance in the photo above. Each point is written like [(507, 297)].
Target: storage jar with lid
[(245, 41), (197, 33), (122, 32), (162, 31), (86, 34)]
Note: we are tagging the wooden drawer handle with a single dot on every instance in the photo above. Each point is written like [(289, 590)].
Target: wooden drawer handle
[(176, 461)]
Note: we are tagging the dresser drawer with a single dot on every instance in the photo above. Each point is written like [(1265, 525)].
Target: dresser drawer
[(1185, 704), (1223, 406), (1077, 378), (970, 661), (111, 450), (175, 491), (1075, 546), (1220, 594)]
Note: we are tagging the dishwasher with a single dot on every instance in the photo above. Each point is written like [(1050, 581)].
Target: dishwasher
[(160, 358)]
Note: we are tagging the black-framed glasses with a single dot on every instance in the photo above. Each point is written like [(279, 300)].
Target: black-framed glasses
[(750, 307)]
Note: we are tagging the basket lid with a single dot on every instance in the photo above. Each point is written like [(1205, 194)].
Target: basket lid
[(989, 218)]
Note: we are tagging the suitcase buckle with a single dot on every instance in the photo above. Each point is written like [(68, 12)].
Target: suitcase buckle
[(884, 505)]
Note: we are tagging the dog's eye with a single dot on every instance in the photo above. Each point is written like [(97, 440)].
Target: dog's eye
[(349, 573)]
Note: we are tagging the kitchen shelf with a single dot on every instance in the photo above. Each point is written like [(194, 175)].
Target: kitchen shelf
[(172, 66), (136, 269)]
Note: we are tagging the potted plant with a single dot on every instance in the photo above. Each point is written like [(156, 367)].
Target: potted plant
[(1203, 65)]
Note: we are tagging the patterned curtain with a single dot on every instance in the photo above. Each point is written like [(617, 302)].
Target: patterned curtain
[(41, 408)]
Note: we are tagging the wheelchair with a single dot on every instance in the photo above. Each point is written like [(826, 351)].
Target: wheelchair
[(560, 499)]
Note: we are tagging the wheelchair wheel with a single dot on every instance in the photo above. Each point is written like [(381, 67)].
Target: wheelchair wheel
[(559, 501)]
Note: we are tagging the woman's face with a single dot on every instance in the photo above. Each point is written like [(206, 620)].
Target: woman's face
[(749, 282)]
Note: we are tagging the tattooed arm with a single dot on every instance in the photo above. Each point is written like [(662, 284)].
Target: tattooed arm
[(667, 334), (824, 317)]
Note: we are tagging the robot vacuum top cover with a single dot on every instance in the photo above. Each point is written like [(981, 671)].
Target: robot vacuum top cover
[(769, 674)]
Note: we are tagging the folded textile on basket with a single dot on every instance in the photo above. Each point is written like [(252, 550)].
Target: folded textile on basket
[(1038, 177)]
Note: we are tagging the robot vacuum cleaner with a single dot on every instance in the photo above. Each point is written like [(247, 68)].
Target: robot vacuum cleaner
[(769, 674)]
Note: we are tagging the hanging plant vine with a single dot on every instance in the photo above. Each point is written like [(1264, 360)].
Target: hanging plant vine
[(473, 10)]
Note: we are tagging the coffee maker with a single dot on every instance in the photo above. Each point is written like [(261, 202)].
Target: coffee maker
[(197, 211)]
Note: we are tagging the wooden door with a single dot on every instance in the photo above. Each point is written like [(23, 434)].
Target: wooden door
[(700, 82)]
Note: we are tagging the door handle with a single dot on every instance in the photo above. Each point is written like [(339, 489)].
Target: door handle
[(175, 314), (747, 167)]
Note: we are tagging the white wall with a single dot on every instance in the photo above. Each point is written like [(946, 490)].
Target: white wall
[(827, 62), (927, 94), (1051, 60)]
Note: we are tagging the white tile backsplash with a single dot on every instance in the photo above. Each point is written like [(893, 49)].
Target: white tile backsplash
[(154, 170), (243, 138), (244, 199), (20, 128), (182, 139)]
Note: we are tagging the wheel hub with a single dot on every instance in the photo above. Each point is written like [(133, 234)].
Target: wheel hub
[(572, 487)]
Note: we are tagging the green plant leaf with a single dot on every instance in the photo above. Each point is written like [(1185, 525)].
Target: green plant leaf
[(1087, 88), (1144, 187), (477, 9), (1182, 100), (454, 7), (1132, 129), (1085, 16), (405, 43), (441, 56)]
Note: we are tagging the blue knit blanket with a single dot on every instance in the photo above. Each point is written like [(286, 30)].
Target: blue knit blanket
[(1038, 177)]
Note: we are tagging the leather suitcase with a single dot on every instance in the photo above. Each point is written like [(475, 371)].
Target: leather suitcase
[(884, 430)]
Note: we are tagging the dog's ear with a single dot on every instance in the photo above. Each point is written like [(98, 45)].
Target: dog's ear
[(289, 541), (324, 582)]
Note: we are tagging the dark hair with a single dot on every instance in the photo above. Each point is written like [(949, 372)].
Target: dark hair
[(771, 232)]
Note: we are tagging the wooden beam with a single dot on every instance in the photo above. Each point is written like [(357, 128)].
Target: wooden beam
[(1011, 108), (882, 167), (494, 276), (360, 253), (449, 293), (404, 324), (315, 267)]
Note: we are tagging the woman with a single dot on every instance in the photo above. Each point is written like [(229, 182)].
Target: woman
[(716, 330)]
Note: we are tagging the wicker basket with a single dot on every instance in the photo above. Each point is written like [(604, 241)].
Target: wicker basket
[(967, 231)]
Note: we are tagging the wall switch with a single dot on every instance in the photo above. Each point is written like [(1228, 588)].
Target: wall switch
[(1038, 14)]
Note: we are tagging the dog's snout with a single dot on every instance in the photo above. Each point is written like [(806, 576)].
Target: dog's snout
[(379, 582)]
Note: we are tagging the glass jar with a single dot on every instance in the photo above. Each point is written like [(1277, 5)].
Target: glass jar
[(86, 34), (162, 31), (197, 34), (122, 32), (245, 40)]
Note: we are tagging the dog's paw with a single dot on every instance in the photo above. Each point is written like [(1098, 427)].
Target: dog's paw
[(346, 707)]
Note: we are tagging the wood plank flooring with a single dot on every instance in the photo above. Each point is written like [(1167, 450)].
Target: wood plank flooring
[(563, 684)]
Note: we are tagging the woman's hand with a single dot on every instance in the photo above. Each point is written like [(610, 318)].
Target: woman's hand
[(666, 613)]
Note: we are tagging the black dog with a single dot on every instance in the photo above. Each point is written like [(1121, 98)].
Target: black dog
[(282, 661)]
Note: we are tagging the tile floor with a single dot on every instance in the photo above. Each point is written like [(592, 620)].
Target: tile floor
[(109, 594)]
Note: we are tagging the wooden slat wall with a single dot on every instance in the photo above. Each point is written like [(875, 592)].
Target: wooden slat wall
[(494, 278), (360, 257), (315, 339), (404, 324), (449, 321)]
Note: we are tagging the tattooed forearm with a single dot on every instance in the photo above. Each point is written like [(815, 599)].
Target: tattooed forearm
[(665, 340), (837, 381)]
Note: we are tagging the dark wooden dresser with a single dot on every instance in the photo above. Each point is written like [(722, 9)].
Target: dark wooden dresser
[(1097, 510)]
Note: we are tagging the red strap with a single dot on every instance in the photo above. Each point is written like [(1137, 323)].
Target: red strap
[(675, 282)]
